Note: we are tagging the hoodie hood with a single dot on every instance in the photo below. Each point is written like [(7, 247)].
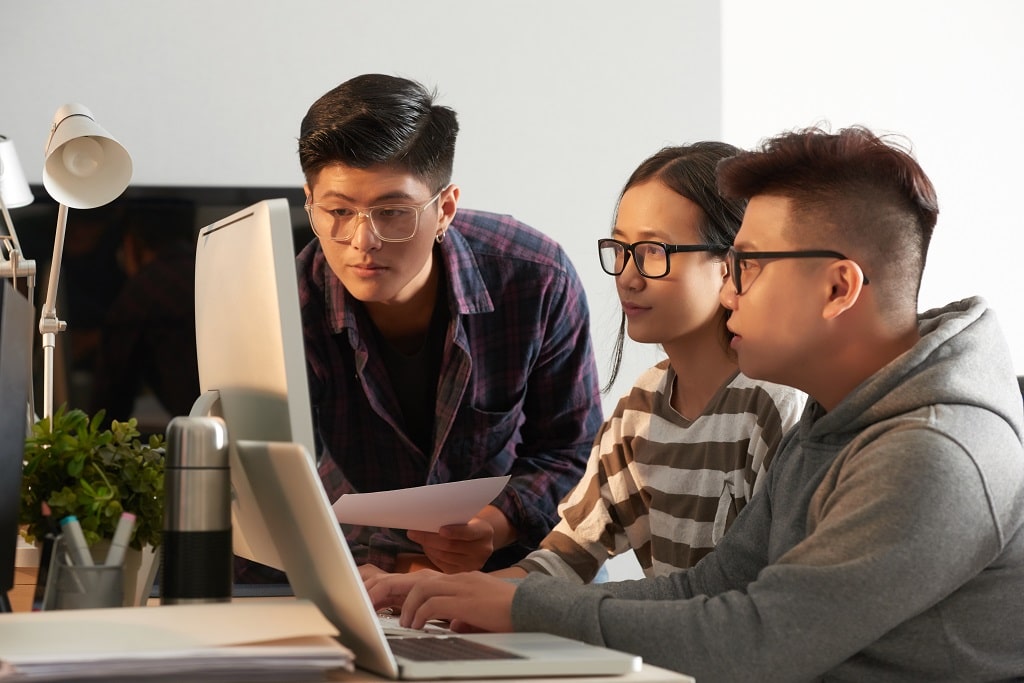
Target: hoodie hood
[(961, 358)]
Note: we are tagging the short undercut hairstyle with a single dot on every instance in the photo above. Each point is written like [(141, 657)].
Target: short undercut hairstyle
[(855, 192), (379, 120)]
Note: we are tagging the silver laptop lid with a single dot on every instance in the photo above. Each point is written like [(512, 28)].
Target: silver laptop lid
[(321, 569), (313, 551)]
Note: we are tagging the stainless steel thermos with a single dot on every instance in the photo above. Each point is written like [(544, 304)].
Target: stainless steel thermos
[(197, 560)]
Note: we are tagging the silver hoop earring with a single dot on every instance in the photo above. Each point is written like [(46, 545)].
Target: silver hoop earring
[(439, 237)]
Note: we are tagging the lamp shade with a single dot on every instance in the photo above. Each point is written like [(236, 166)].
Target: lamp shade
[(13, 185), (85, 167)]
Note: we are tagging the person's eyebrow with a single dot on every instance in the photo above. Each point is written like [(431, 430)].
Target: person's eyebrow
[(396, 196), (643, 234)]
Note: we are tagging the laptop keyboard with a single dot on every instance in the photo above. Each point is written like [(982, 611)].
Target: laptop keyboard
[(445, 648)]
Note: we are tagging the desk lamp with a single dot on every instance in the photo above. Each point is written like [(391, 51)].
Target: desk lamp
[(14, 193), (85, 168)]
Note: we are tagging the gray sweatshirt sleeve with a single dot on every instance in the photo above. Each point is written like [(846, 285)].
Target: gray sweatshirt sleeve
[(892, 531)]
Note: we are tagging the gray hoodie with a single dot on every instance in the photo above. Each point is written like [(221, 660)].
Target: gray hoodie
[(888, 543)]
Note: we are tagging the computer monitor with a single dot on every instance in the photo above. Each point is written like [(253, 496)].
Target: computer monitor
[(15, 361), (252, 364)]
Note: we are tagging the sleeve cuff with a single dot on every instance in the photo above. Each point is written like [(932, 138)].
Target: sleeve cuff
[(551, 605)]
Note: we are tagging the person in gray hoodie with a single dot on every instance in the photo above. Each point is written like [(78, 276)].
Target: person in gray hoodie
[(888, 542)]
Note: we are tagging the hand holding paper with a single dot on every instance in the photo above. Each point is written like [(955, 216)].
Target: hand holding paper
[(421, 508), (466, 547)]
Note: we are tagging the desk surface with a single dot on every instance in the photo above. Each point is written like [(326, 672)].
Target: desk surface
[(24, 588), (649, 674)]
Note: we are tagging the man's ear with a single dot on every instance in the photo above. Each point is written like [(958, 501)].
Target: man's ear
[(846, 282), (447, 204)]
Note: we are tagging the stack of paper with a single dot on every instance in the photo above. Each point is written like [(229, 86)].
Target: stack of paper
[(255, 640)]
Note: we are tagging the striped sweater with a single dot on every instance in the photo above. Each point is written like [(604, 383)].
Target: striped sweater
[(663, 485)]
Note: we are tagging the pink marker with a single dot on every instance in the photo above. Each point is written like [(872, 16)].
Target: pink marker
[(119, 543)]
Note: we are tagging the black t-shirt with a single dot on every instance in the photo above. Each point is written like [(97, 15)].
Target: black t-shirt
[(414, 375)]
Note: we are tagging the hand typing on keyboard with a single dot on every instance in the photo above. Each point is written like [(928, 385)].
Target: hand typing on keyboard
[(392, 627), (469, 601)]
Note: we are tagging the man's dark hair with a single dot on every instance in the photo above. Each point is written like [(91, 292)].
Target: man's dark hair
[(856, 192), (375, 119), (689, 171)]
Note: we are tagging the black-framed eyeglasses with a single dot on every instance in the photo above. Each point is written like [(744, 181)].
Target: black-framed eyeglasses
[(389, 222), (651, 258), (745, 266)]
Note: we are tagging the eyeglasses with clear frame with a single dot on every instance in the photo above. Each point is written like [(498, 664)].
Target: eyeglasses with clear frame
[(389, 222), (745, 266), (651, 258)]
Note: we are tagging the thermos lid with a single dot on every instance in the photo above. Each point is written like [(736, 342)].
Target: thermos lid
[(189, 441)]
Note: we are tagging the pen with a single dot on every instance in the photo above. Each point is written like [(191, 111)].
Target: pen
[(77, 546), (51, 525), (118, 544), (43, 573)]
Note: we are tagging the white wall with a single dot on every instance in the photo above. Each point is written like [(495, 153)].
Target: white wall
[(947, 75), (558, 101)]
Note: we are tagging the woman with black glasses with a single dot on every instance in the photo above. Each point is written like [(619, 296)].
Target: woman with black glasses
[(688, 444)]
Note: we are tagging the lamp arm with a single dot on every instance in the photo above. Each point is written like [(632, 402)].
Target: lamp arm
[(13, 266), (49, 324), (15, 245)]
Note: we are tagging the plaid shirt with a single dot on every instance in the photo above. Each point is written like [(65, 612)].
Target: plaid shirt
[(517, 392)]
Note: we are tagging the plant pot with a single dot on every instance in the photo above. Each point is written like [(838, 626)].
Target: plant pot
[(140, 568)]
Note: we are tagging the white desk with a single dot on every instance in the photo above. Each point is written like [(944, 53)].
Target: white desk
[(21, 598), (649, 674)]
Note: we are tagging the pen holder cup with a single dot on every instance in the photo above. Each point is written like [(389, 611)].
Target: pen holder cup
[(83, 587), (80, 587)]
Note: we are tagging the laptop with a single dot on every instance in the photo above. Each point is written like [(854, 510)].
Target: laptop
[(321, 569)]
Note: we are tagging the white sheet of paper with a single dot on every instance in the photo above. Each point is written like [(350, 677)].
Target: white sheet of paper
[(422, 508), (59, 635), (230, 641)]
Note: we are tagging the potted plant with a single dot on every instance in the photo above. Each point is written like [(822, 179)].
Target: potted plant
[(78, 469)]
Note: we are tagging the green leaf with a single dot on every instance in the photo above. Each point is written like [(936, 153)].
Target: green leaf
[(95, 474)]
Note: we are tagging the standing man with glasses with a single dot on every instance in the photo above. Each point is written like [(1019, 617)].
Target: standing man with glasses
[(441, 345), (888, 542)]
